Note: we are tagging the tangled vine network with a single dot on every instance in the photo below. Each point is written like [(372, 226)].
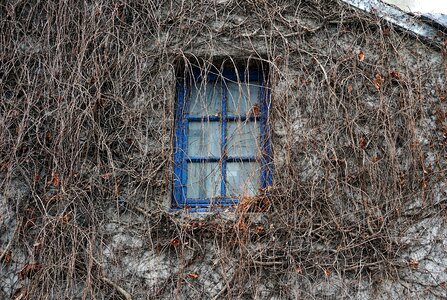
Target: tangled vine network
[(87, 89)]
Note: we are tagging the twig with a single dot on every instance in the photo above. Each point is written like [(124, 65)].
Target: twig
[(120, 290), (5, 251)]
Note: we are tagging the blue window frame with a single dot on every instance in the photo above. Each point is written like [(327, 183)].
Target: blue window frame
[(222, 144)]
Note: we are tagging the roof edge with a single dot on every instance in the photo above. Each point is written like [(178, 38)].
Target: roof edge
[(399, 18)]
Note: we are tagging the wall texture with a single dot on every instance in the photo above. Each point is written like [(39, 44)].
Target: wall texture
[(358, 115)]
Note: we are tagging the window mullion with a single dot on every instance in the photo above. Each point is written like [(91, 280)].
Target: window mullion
[(223, 145), (266, 174)]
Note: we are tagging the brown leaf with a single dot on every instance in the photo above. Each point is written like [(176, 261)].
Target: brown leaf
[(55, 179), (402, 178), (327, 272), (254, 111), (424, 184), (36, 178), (278, 60), (7, 257), (29, 270), (198, 224), (361, 55), (413, 264), (193, 275), (378, 81), (106, 176), (65, 218), (260, 229), (376, 158), (362, 143), (350, 88), (175, 242), (414, 145), (395, 75)]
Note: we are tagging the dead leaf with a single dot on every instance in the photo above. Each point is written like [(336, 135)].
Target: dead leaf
[(376, 158), (296, 83), (29, 270), (278, 60), (241, 225), (65, 218), (327, 272), (378, 81), (362, 143), (254, 111), (361, 55), (7, 257), (175, 242), (199, 224), (259, 229), (55, 179), (424, 184), (395, 75), (193, 275), (350, 88), (414, 145), (402, 178), (106, 176), (413, 264), (36, 178)]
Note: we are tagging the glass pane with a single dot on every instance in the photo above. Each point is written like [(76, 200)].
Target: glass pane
[(203, 180), (243, 178), (243, 98), (205, 98), (243, 138), (204, 139)]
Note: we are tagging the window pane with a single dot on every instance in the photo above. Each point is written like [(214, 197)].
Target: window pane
[(205, 98), (204, 139), (243, 178), (243, 98), (203, 180), (243, 138)]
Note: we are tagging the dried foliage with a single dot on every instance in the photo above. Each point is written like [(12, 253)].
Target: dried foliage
[(87, 91)]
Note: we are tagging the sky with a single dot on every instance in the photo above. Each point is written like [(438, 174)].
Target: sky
[(422, 6)]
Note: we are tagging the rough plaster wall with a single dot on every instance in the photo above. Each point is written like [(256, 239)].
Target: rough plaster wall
[(426, 240), (149, 269)]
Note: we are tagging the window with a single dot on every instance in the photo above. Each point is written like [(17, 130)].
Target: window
[(222, 140)]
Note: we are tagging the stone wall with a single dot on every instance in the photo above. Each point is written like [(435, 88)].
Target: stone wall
[(358, 118)]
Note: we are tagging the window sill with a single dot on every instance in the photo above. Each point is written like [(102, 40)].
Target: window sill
[(215, 214)]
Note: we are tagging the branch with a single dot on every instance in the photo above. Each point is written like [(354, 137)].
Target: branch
[(4, 252), (120, 290)]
